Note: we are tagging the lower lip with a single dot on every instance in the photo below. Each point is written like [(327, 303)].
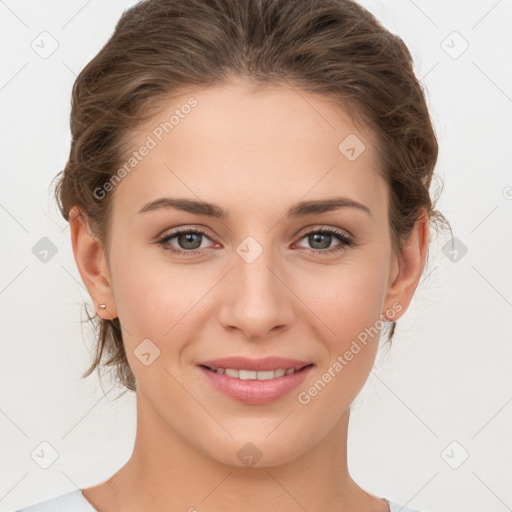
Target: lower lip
[(256, 391)]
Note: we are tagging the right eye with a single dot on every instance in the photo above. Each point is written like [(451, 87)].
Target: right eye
[(189, 240)]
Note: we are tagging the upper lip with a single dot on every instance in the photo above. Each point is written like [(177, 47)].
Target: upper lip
[(263, 364)]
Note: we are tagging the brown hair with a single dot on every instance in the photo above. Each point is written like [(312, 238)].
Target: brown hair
[(160, 48)]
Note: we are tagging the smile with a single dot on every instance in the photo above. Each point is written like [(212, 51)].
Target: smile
[(254, 375), (256, 386)]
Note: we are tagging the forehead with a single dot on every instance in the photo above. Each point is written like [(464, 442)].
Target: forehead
[(233, 145)]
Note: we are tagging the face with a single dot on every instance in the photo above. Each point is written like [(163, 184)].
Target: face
[(255, 282)]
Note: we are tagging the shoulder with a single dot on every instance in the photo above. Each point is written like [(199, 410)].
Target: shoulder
[(395, 507), (73, 501)]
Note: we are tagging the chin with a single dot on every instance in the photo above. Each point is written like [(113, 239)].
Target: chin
[(256, 452)]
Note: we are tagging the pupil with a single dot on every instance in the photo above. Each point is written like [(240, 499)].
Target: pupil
[(188, 238), (314, 239)]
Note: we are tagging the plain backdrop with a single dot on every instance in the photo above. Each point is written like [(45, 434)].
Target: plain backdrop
[(431, 429)]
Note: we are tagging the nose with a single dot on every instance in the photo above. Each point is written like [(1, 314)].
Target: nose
[(257, 301)]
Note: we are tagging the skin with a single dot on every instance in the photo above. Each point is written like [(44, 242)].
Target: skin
[(255, 154)]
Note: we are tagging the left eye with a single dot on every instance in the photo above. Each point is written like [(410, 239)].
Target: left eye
[(190, 241), (327, 235)]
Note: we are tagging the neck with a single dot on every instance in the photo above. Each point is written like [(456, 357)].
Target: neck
[(167, 473)]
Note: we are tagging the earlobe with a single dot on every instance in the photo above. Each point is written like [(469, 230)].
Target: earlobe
[(92, 265), (408, 266)]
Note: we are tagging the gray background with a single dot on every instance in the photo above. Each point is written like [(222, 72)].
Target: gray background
[(443, 392)]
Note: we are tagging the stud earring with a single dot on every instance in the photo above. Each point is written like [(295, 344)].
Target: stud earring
[(103, 306)]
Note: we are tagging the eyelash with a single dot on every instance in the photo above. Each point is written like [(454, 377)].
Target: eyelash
[(346, 241)]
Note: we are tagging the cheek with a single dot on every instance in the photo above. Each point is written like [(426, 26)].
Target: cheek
[(150, 301), (347, 298), (154, 306), (350, 305), (347, 302), (157, 299)]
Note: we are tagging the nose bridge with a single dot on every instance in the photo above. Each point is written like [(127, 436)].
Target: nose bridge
[(255, 282), (257, 301)]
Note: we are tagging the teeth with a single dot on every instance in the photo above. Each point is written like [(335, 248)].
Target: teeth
[(254, 375), (266, 375), (247, 374)]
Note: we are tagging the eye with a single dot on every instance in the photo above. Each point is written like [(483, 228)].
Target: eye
[(320, 240), (190, 241)]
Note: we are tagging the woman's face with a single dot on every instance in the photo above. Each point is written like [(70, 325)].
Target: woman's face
[(256, 282)]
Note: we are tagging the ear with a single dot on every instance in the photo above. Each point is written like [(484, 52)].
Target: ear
[(92, 264), (407, 267)]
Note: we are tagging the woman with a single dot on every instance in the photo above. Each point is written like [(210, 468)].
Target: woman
[(248, 195)]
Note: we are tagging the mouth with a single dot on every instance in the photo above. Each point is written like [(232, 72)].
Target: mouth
[(244, 374), (255, 381)]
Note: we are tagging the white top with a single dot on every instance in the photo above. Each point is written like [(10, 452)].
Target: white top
[(74, 501)]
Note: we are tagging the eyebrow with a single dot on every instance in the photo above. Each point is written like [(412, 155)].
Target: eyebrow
[(212, 210)]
